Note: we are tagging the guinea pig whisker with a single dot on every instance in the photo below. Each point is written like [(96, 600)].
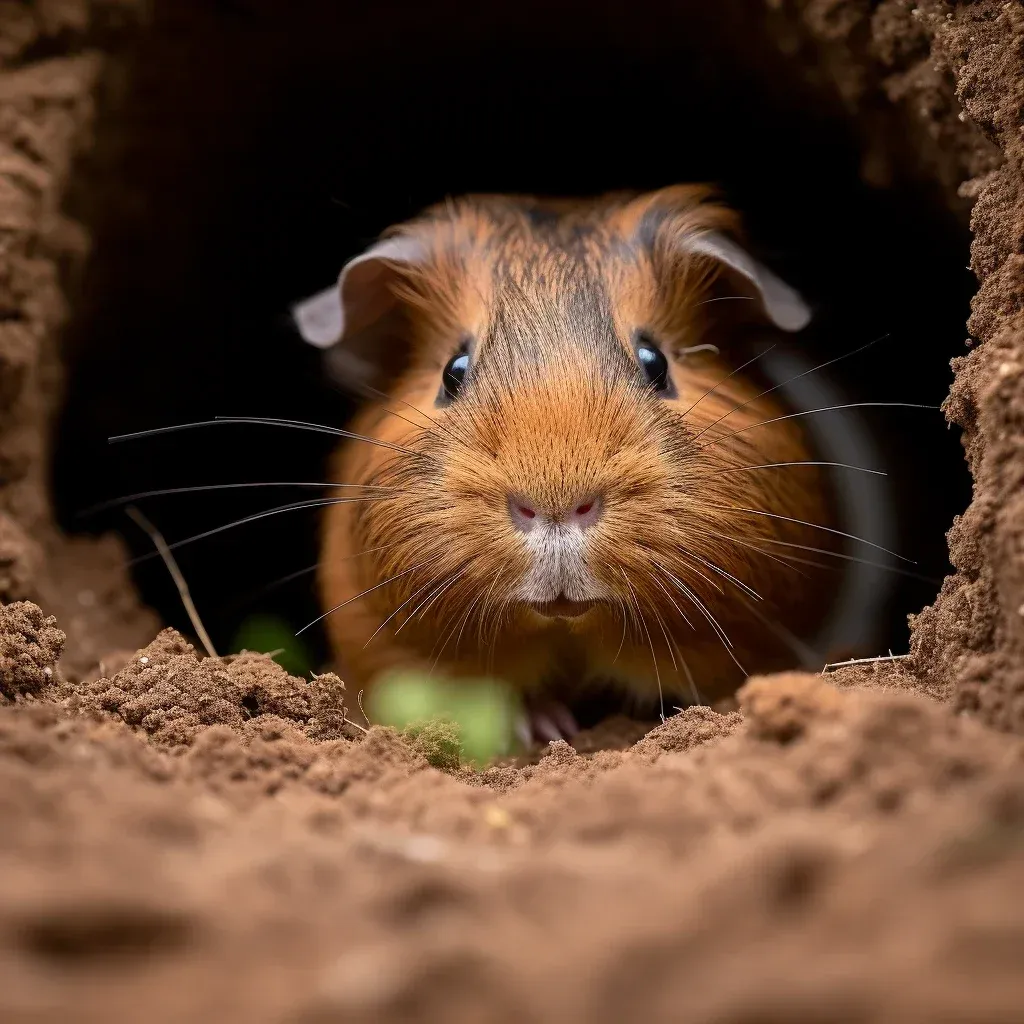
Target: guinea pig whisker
[(813, 526), (316, 503), (848, 558), (790, 559), (804, 373), (674, 649), (199, 488), (702, 608), (412, 423), (315, 428), (465, 619), (412, 597), (728, 376), (698, 699), (622, 640), (485, 611), (650, 642), (501, 610), (634, 622), (282, 580), (767, 554), (732, 579), (441, 590), (444, 644), (368, 590), (432, 582), (668, 644), (430, 419), (446, 581), (370, 390), (682, 660), (703, 576), (806, 462), (811, 412), (672, 655), (668, 594), (268, 421), (728, 298), (448, 634), (816, 564), (461, 626)]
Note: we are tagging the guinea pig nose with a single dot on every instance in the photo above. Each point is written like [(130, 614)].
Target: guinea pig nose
[(586, 513), (525, 517), (523, 513)]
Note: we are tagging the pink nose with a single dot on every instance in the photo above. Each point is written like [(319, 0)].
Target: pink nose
[(526, 516)]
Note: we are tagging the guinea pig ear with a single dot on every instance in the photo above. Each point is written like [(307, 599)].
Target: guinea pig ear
[(784, 306), (320, 318), (348, 319)]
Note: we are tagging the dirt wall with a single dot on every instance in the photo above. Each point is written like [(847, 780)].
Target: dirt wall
[(50, 60)]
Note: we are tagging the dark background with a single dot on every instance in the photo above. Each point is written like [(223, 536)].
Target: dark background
[(244, 150)]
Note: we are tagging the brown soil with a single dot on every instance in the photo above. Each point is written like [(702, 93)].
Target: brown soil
[(211, 840)]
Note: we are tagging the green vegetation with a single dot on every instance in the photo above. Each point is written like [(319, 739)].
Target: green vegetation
[(438, 741), (468, 720)]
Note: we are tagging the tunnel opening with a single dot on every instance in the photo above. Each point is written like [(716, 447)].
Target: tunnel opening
[(242, 154)]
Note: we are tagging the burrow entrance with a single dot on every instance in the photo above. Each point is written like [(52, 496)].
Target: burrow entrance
[(243, 153)]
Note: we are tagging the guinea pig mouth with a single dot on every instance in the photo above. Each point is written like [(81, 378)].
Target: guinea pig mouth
[(562, 608)]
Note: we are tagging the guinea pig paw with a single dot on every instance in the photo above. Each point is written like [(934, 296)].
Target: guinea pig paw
[(545, 722)]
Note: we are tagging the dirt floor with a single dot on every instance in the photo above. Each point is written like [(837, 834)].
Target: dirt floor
[(210, 840)]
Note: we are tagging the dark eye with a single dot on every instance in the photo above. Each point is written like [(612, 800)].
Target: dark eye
[(453, 377), (653, 362)]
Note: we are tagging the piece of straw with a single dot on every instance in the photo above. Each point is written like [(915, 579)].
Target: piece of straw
[(179, 580)]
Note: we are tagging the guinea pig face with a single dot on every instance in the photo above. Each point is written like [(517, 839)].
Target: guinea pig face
[(546, 462), (580, 456)]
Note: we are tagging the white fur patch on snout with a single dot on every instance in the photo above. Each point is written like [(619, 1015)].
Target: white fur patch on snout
[(559, 567)]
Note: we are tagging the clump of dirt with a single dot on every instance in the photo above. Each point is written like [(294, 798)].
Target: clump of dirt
[(30, 647), (782, 708), (685, 731), (166, 691)]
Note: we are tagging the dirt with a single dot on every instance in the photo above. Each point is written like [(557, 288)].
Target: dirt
[(187, 838), (202, 839)]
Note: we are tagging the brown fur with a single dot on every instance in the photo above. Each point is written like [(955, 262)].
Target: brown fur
[(550, 294)]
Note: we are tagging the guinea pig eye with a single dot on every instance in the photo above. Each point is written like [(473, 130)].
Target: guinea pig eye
[(453, 377), (653, 362)]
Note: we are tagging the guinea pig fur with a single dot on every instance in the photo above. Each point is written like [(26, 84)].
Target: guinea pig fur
[(572, 481)]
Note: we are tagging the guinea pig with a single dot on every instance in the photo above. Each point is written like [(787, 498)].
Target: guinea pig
[(577, 472)]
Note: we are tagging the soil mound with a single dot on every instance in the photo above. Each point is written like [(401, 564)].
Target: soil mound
[(198, 837)]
